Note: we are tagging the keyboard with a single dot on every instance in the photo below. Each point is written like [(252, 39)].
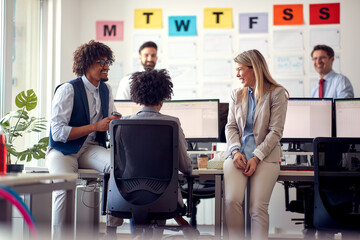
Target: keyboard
[(296, 167)]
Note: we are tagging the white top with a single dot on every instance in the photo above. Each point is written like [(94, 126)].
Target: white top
[(123, 91)]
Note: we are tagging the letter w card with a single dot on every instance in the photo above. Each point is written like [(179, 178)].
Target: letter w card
[(182, 26)]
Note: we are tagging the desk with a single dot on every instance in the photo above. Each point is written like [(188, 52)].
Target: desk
[(217, 175), (87, 206), (85, 216), (89, 174), (36, 183), (293, 175)]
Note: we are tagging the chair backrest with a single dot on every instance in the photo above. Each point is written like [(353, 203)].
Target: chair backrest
[(143, 181), (337, 184)]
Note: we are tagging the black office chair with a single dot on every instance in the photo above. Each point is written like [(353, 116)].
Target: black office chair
[(337, 186), (143, 183), (202, 189), (304, 202)]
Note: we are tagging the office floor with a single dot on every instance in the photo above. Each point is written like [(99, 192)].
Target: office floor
[(205, 230)]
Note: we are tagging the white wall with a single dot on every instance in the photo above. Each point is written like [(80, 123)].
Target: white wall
[(78, 20)]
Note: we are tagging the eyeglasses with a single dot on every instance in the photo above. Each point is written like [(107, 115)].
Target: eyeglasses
[(102, 62), (321, 58)]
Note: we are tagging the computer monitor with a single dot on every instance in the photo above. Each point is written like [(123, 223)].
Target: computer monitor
[(307, 118), (198, 118), (347, 117), (223, 113), (127, 107)]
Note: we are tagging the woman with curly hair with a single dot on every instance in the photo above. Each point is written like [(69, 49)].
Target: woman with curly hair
[(149, 89), (81, 113)]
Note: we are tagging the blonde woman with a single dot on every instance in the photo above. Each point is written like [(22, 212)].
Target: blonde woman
[(255, 125)]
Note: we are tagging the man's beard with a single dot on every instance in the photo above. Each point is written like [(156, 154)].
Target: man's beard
[(104, 79), (148, 66)]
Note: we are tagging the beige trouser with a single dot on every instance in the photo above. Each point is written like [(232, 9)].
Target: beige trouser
[(262, 183), (90, 156)]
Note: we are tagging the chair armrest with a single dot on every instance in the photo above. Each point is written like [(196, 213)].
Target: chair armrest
[(106, 177), (190, 181)]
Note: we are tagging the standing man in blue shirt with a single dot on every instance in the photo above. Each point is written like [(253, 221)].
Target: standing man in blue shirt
[(331, 84)]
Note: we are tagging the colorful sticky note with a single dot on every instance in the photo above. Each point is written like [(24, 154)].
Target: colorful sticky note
[(182, 26), (290, 14), (148, 18), (218, 18), (109, 30), (253, 22), (328, 13)]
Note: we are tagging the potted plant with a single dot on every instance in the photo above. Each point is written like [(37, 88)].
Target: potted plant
[(17, 123)]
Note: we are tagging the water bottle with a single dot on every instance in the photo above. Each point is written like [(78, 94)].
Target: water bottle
[(3, 153)]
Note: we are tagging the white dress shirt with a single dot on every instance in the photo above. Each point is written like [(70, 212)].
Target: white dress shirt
[(335, 85), (62, 109)]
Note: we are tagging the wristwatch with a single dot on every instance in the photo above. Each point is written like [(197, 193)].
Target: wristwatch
[(234, 152)]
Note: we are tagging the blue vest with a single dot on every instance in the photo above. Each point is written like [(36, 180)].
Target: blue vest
[(80, 116)]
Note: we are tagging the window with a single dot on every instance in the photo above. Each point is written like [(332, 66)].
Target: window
[(25, 57), (2, 57), (20, 54)]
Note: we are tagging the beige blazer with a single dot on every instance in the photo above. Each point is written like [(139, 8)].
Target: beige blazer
[(268, 125)]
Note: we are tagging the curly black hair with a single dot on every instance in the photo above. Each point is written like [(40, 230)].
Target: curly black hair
[(88, 53), (151, 87)]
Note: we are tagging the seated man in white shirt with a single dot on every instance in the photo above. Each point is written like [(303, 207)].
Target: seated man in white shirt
[(331, 84), (81, 113)]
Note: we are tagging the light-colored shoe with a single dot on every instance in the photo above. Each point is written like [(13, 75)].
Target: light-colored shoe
[(109, 237), (110, 234), (190, 232)]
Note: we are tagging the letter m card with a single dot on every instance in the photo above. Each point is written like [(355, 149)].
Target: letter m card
[(109, 30), (182, 26)]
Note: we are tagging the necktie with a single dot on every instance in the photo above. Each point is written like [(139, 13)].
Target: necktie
[(321, 86)]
